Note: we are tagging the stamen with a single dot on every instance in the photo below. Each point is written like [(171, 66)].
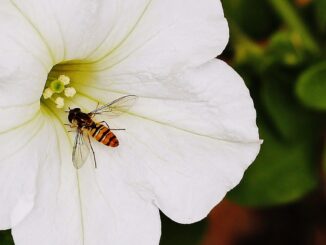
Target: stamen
[(60, 102), (47, 93), (65, 79), (56, 90), (70, 92)]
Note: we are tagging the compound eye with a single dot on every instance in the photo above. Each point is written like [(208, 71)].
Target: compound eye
[(70, 117)]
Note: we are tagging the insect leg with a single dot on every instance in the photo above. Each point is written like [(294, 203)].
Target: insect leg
[(70, 125), (69, 110), (89, 140)]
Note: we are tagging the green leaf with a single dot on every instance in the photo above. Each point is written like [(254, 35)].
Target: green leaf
[(6, 238), (291, 17), (290, 120), (311, 87), (284, 170), (320, 9), (286, 48), (177, 234), (251, 16), (282, 173)]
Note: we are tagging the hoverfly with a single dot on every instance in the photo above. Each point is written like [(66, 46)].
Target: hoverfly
[(100, 131)]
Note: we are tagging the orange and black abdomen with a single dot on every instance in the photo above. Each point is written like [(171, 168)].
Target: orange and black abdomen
[(104, 135)]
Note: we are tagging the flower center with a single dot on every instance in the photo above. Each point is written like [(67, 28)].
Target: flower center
[(57, 89)]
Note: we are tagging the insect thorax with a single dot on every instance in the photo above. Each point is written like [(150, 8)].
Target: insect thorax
[(81, 119)]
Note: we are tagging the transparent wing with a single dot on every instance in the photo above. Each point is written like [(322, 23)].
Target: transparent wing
[(81, 149), (116, 107)]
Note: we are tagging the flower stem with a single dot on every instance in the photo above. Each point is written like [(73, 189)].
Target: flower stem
[(287, 12)]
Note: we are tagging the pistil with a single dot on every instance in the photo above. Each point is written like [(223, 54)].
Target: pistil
[(57, 89)]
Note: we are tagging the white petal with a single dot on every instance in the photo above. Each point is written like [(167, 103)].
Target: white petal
[(187, 174), (56, 213), (155, 37), (177, 34), (169, 36), (210, 100), (21, 153), (15, 116), (73, 29), (191, 151), (86, 207), (92, 30), (24, 60), (114, 212)]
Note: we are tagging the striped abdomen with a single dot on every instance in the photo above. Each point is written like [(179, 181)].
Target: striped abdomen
[(104, 135)]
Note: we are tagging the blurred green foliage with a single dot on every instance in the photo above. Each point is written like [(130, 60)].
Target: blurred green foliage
[(248, 15), (320, 8), (283, 64), (5, 238), (311, 87), (176, 234), (279, 48)]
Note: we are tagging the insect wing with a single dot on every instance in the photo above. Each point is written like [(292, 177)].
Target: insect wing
[(81, 149), (116, 107)]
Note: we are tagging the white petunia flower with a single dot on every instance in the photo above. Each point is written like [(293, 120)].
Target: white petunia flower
[(188, 139)]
